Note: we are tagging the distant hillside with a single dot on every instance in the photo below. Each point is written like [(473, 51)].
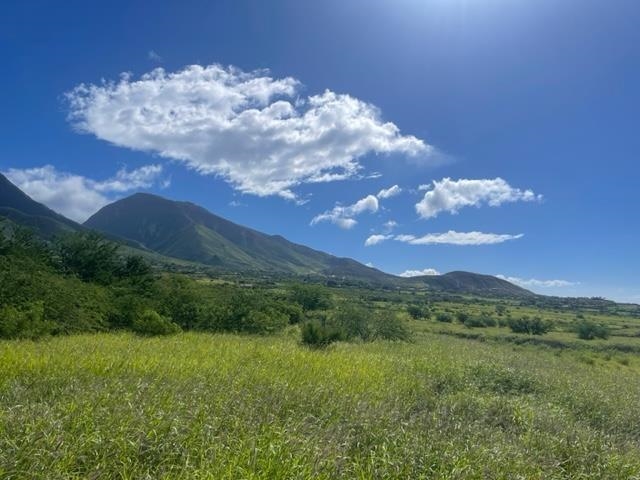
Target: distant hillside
[(187, 231), (169, 231), (23, 210), (471, 283)]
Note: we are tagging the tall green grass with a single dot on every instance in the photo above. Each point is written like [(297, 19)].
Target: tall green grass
[(196, 406)]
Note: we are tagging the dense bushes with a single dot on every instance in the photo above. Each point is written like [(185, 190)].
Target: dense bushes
[(28, 322), (317, 335), (81, 283), (418, 312), (354, 323), (588, 330), (530, 325), (151, 322), (444, 317)]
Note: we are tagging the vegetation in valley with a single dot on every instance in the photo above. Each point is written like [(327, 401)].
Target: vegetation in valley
[(111, 368)]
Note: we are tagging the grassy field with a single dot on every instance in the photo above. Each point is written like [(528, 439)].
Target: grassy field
[(193, 405)]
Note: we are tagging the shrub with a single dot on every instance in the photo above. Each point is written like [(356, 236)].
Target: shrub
[(311, 297), (415, 311), (532, 326), (444, 317), (151, 322), (317, 335), (462, 317), (588, 330), (24, 323), (488, 320), (354, 322), (389, 327), (267, 321)]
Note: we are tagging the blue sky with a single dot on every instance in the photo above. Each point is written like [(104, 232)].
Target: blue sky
[(508, 127)]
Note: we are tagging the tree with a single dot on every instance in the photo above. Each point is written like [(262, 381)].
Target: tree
[(89, 256), (310, 297)]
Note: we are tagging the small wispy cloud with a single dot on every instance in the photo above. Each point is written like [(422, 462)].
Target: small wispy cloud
[(457, 238), (419, 273), (451, 195), (533, 282), (376, 239), (154, 57), (343, 216), (389, 192), (447, 238)]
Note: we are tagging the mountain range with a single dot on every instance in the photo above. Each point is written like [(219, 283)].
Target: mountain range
[(188, 232)]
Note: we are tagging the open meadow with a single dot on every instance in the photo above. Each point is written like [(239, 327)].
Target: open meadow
[(200, 405)]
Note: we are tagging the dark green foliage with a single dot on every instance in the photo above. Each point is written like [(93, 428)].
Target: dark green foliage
[(293, 311), (151, 323), (317, 335), (416, 311), (389, 327), (463, 317), (479, 322), (354, 322), (28, 322), (351, 323), (588, 330), (180, 299), (311, 297), (444, 317), (530, 325), (89, 256)]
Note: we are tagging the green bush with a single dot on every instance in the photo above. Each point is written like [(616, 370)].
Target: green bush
[(317, 335), (151, 322), (311, 297), (24, 323), (444, 317), (588, 330), (389, 327), (463, 317), (353, 321), (416, 311), (532, 326), (263, 322)]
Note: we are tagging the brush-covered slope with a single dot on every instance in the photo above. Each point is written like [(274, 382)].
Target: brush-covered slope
[(187, 231), (18, 207), (471, 283)]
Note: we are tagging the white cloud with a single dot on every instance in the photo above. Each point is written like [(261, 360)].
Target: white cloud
[(256, 132), (375, 239), (75, 196), (389, 192), (154, 56), (457, 238), (389, 226), (451, 195), (419, 273), (343, 216), (532, 282)]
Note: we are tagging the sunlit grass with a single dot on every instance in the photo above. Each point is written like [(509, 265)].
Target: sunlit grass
[(223, 406)]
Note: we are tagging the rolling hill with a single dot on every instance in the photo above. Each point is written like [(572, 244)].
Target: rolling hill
[(170, 230), (187, 231), (21, 209)]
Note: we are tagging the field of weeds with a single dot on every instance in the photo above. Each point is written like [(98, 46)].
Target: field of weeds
[(109, 406)]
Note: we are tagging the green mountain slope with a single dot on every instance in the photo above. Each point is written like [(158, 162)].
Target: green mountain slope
[(187, 231), (23, 210), (471, 283), (168, 231)]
